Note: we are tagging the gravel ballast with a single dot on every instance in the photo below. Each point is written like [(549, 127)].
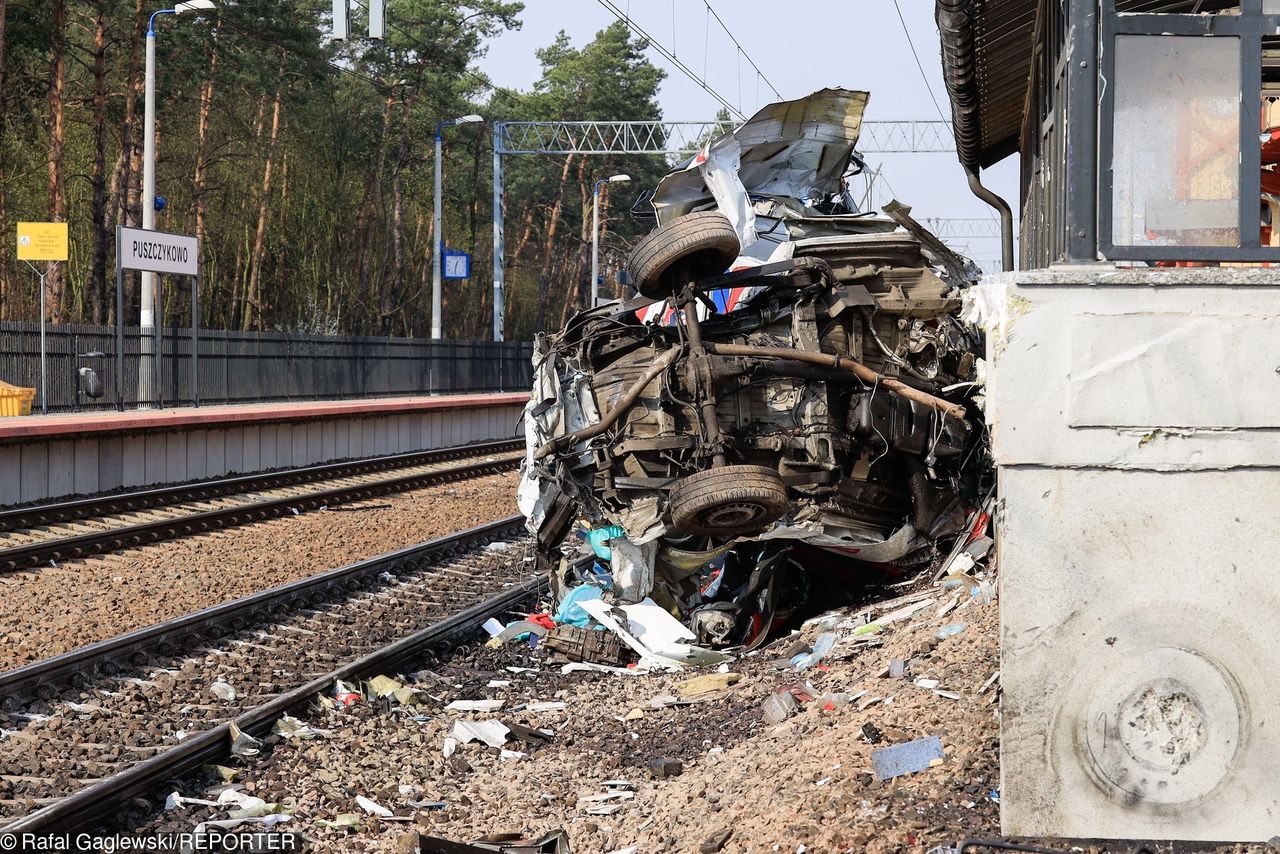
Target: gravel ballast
[(56, 609)]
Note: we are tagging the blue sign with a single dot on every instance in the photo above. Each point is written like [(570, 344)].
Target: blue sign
[(457, 265)]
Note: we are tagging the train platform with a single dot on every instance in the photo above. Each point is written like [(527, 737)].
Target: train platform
[(55, 456)]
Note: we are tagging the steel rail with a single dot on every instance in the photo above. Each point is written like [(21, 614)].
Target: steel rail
[(78, 666), (33, 554), (104, 505), (91, 806)]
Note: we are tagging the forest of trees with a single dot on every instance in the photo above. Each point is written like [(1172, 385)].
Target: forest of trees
[(304, 165)]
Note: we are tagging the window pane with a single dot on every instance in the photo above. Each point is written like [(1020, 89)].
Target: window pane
[(1176, 154), (1271, 7)]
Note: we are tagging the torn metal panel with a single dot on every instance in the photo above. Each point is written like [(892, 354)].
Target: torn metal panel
[(797, 149)]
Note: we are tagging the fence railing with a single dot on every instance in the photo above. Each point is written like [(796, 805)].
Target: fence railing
[(246, 367)]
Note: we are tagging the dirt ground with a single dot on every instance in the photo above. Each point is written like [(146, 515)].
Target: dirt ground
[(744, 785), (54, 609)]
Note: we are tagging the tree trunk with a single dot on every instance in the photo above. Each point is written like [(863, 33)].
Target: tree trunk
[(57, 192), (394, 290), (237, 309), (253, 300), (365, 220), (573, 285), (102, 237), (548, 253), (202, 142)]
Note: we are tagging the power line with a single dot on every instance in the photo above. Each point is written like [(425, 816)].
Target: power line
[(671, 57), (741, 50), (925, 77)]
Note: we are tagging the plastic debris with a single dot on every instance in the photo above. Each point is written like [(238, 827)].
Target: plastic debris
[(343, 695), (571, 612), (342, 821), (450, 745), (372, 807), (243, 744), (384, 686), (700, 686), (492, 733), (821, 649), (906, 758), (546, 706), (266, 822), (222, 691), (290, 727), (780, 706), (951, 630), (511, 754), (475, 705), (493, 626)]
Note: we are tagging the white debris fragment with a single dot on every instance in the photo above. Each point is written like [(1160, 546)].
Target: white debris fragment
[(546, 706), (492, 733), (222, 691), (475, 705), (372, 807)]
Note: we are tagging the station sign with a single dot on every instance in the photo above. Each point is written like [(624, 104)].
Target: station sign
[(42, 241), (157, 252), (457, 265)]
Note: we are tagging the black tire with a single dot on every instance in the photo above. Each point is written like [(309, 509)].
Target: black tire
[(728, 501), (705, 242)]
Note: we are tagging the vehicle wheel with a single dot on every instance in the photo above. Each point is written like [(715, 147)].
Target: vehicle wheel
[(705, 242), (727, 501)]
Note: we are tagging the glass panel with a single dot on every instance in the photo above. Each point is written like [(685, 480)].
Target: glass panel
[(1271, 7), (1176, 153)]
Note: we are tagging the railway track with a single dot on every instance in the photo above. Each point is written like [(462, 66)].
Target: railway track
[(68, 764), (33, 536)]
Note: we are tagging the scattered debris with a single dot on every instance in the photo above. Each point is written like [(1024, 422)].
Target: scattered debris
[(492, 733), (716, 843), (222, 691), (662, 768), (243, 744), (475, 705), (372, 807), (906, 758)]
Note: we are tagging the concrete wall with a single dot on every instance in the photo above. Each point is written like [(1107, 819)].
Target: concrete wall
[(1134, 421), (46, 467)]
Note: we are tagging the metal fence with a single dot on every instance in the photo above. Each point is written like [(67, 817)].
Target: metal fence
[(246, 367)]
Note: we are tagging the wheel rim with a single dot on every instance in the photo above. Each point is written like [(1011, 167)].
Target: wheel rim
[(733, 515)]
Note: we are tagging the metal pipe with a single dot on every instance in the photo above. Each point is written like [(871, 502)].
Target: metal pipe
[(149, 360), (858, 369), (623, 405), (498, 235), (1006, 216), (438, 260)]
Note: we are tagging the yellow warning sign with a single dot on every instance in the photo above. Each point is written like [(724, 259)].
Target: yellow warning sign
[(42, 241)]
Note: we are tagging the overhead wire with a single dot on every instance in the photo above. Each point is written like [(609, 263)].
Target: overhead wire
[(671, 57), (740, 48), (925, 77)]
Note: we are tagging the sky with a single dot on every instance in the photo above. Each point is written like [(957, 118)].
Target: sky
[(799, 46)]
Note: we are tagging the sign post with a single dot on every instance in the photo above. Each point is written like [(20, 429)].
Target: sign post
[(161, 252), (42, 241)]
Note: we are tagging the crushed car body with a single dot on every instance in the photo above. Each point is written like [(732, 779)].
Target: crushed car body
[(793, 374)]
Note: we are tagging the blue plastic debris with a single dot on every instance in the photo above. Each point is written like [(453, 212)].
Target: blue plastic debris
[(951, 630), (599, 539), (570, 612), (905, 758), (821, 648)]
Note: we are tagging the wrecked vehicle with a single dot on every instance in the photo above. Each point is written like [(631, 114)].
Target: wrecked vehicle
[(792, 371)]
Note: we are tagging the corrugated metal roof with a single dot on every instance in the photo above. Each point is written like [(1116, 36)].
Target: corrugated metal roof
[(986, 61)]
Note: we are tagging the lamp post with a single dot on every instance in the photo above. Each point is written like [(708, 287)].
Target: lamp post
[(437, 264), (595, 233), (149, 369)]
